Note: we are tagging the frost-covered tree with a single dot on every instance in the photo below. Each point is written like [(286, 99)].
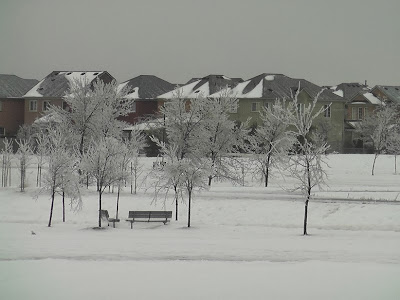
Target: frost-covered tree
[(102, 161), (92, 112), (184, 122), (393, 143), (6, 156), (23, 154), (41, 151), (193, 177), (220, 136), (375, 129), (307, 164), (61, 176), (271, 140)]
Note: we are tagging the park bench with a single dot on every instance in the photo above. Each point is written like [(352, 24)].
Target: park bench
[(149, 216), (105, 216)]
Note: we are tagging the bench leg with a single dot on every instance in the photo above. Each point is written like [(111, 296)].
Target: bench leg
[(131, 224)]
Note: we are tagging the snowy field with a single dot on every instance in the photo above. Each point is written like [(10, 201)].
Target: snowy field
[(244, 243)]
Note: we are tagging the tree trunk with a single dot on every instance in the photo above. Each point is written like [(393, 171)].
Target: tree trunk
[(99, 208), (116, 214), (373, 165), (131, 178), (51, 208), (63, 205), (308, 198), (305, 217), (37, 176), (190, 203), (176, 203), (268, 162)]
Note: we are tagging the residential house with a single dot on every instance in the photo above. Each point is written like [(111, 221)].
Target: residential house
[(53, 88), (387, 93), (361, 105), (144, 90), (12, 89), (262, 90)]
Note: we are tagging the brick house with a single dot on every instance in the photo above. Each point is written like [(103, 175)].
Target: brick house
[(12, 89), (144, 90), (53, 88)]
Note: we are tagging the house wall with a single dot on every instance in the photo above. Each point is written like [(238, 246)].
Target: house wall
[(335, 135), (336, 122), (11, 115), (144, 108), (31, 116)]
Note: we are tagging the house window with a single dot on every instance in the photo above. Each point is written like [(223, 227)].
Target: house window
[(1, 106), (327, 111), (358, 113), (134, 106), (65, 105), (2, 131), (46, 105), (33, 105), (254, 106), (266, 105)]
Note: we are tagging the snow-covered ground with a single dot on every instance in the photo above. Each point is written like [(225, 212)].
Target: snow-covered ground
[(244, 243)]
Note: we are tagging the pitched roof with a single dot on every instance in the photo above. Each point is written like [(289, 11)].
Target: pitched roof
[(14, 86), (391, 92), (57, 83), (348, 90), (369, 97), (146, 87), (206, 86), (278, 86)]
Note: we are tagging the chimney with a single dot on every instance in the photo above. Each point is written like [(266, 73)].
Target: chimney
[(365, 82)]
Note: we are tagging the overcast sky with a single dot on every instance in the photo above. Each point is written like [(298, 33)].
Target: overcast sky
[(324, 41)]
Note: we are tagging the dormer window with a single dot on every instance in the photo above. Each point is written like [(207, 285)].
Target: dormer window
[(83, 73)]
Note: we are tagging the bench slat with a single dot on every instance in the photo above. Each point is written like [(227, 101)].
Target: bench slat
[(149, 216)]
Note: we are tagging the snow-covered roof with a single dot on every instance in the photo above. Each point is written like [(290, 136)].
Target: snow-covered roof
[(57, 83), (371, 98), (146, 87), (49, 118), (392, 93), (275, 86), (205, 86), (12, 86), (339, 93), (349, 90)]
